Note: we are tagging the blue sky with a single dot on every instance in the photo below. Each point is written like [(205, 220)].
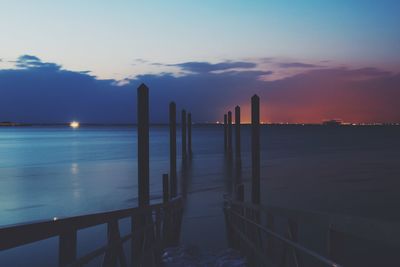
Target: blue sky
[(106, 37), (308, 60)]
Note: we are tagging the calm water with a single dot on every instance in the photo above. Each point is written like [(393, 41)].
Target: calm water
[(58, 172), (55, 172)]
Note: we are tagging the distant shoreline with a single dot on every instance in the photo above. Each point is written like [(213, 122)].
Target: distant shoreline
[(16, 124)]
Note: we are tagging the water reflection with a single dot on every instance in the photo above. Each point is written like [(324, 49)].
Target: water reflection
[(74, 168)]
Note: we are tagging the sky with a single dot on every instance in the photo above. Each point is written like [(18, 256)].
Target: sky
[(308, 60)]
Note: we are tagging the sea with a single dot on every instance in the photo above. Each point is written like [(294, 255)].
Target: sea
[(55, 172)]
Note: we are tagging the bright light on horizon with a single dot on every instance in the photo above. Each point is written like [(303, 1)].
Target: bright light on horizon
[(74, 124)]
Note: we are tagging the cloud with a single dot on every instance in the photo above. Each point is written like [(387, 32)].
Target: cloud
[(30, 62), (297, 65), (41, 92), (205, 67)]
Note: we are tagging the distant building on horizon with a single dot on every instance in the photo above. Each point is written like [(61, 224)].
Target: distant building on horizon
[(334, 122), (8, 123)]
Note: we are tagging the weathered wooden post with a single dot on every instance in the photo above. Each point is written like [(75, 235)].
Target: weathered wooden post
[(255, 167), (189, 128), (143, 145), (138, 222), (225, 133), (239, 196), (165, 188), (67, 247), (238, 160), (237, 131), (166, 228), (255, 149), (183, 134), (229, 133), (172, 149)]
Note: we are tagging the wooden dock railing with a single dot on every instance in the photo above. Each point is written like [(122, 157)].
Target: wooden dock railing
[(250, 229), (161, 229), (283, 237)]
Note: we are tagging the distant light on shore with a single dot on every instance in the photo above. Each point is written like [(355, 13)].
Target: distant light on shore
[(74, 124)]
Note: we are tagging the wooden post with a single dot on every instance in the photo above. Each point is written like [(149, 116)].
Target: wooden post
[(255, 149), (189, 128), (229, 132), (225, 133), (240, 192), (143, 168), (167, 215), (172, 150), (67, 248), (183, 134), (143, 145), (116, 253), (238, 160), (237, 131), (165, 188)]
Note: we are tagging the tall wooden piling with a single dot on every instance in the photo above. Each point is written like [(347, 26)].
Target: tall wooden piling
[(189, 129), (172, 150), (183, 125), (225, 133), (143, 144), (165, 188), (237, 132), (255, 149), (238, 160), (229, 132), (143, 169)]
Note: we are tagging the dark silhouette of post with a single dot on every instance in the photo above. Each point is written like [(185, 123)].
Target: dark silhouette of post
[(255, 149), (165, 188), (238, 160), (143, 144), (237, 131), (229, 132), (67, 247), (225, 133), (143, 168), (183, 134), (240, 192), (172, 150), (189, 128)]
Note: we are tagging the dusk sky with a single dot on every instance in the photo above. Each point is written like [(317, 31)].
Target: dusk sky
[(308, 60)]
